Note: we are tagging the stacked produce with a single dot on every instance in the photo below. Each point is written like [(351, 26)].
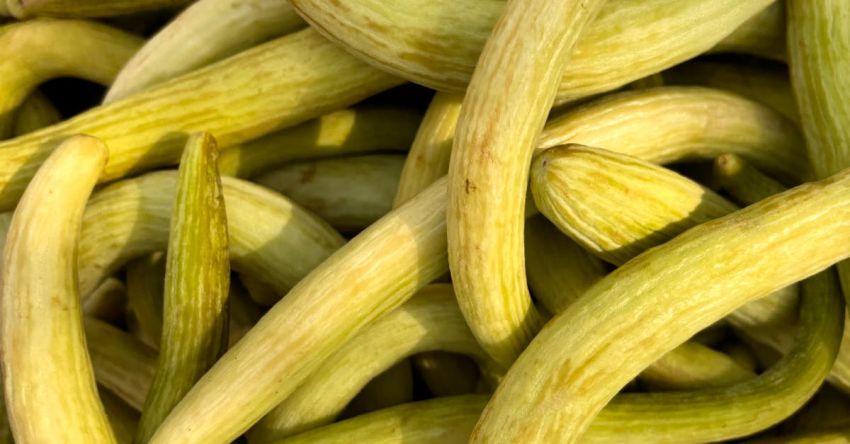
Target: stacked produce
[(424, 221)]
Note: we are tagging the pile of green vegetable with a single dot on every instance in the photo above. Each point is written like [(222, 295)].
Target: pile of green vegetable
[(424, 221)]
